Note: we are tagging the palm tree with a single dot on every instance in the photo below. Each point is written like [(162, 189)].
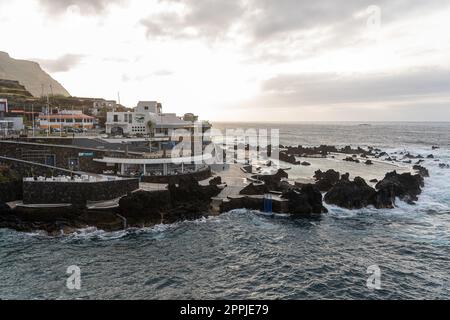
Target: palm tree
[(151, 126)]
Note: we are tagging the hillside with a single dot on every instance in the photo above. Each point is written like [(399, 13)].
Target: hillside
[(31, 75)]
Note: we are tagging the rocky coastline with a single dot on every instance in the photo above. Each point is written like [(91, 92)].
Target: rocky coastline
[(187, 199)]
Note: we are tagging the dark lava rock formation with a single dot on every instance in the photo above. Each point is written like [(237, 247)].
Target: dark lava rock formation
[(296, 201), (358, 194), (355, 194), (272, 182), (305, 201), (326, 180)]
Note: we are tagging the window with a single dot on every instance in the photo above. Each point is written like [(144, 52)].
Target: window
[(116, 118)]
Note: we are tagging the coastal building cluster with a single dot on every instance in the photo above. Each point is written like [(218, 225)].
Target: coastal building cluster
[(64, 142)]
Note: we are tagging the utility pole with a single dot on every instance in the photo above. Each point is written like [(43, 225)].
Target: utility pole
[(48, 117), (32, 118)]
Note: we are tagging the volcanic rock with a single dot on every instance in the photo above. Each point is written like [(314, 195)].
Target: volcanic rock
[(216, 181), (405, 186), (326, 180), (422, 171), (355, 194), (305, 201)]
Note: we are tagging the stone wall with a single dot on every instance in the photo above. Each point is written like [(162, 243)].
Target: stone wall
[(36, 152), (200, 175), (10, 191), (76, 193), (28, 169)]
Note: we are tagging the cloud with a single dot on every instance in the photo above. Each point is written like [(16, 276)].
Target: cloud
[(127, 77), (61, 64), (282, 30), (194, 18), (322, 89), (85, 6)]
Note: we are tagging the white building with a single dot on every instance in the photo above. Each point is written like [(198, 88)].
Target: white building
[(146, 119), (101, 104), (65, 119), (11, 125)]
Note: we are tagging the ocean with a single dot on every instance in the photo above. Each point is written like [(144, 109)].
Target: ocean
[(247, 255)]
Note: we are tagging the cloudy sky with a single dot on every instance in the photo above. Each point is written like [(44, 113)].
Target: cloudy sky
[(245, 60)]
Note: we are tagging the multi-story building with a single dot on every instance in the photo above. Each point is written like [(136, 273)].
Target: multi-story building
[(65, 119), (11, 125), (101, 104), (148, 119)]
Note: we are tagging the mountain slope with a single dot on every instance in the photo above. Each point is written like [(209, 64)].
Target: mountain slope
[(31, 75)]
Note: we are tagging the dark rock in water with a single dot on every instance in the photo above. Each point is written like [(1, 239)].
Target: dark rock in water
[(349, 150), (374, 180), (305, 163), (430, 156), (351, 159), (434, 147), (410, 156), (185, 200), (253, 189), (272, 181), (249, 203), (405, 186), (283, 156), (305, 201), (326, 180), (284, 186), (345, 177), (444, 166), (215, 181), (369, 162), (407, 161), (420, 161), (145, 206), (384, 199), (422, 171), (301, 151), (355, 194), (188, 189)]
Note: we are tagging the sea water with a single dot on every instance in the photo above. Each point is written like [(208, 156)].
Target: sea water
[(245, 255)]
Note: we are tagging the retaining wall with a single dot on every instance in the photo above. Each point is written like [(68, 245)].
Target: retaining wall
[(62, 154), (76, 193), (200, 175)]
